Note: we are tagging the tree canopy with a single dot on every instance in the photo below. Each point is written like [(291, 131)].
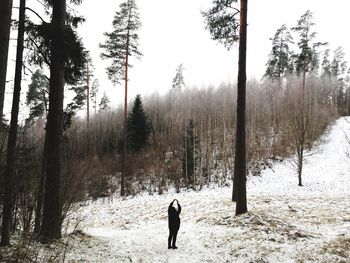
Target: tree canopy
[(138, 126)]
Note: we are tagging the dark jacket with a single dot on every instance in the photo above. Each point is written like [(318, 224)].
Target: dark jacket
[(173, 216)]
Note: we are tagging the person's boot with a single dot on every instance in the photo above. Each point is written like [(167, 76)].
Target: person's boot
[(174, 247)]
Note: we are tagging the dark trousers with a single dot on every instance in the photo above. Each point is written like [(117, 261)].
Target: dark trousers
[(172, 237)]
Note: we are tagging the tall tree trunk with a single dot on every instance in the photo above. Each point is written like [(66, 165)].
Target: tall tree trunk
[(239, 184), (12, 139), (5, 27), (52, 212), (88, 109), (88, 98), (302, 126), (41, 190), (122, 187)]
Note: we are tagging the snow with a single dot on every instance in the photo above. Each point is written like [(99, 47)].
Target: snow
[(285, 223)]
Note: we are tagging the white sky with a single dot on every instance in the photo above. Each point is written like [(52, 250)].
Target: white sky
[(173, 32)]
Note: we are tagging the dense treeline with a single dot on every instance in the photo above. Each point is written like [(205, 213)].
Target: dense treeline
[(191, 137)]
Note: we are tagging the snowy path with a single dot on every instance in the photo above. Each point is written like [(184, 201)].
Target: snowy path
[(286, 223)]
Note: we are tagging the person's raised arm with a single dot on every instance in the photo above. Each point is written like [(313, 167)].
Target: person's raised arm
[(171, 204)]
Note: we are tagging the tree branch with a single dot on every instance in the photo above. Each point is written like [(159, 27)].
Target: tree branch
[(44, 58), (28, 8)]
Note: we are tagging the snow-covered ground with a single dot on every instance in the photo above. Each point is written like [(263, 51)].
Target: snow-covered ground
[(285, 223)]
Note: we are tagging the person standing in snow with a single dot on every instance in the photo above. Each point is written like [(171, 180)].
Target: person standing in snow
[(174, 223)]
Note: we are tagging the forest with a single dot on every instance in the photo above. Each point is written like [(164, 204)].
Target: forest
[(72, 149)]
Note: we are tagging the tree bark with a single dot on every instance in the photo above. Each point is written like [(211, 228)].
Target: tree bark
[(41, 190), (52, 212), (122, 187), (239, 185), (88, 97), (5, 27), (12, 139)]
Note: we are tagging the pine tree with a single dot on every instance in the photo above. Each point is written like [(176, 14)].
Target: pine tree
[(39, 39), (86, 83), (74, 55), (104, 103), (338, 66), (119, 46), (338, 70), (326, 64), (178, 80), (138, 126), (93, 94), (38, 103), (37, 96), (222, 23), (52, 211), (278, 64), (306, 61)]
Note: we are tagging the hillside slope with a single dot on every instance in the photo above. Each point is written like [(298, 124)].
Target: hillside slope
[(286, 223)]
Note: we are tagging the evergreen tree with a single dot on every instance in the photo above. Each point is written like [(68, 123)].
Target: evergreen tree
[(338, 70), (240, 147), (37, 95), (339, 65), (138, 126), (222, 23), (104, 103), (75, 57), (83, 86), (178, 80), (39, 40), (52, 209), (307, 59), (326, 64), (93, 94), (278, 64), (122, 43)]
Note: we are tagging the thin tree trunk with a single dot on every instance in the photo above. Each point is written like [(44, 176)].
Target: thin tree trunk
[(88, 97), (300, 166), (12, 140), (186, 156), (194, 154), (239, 184), (122, 188), (5, 27), (52, 212), (41, 190), (302, 126), (88, 110)]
